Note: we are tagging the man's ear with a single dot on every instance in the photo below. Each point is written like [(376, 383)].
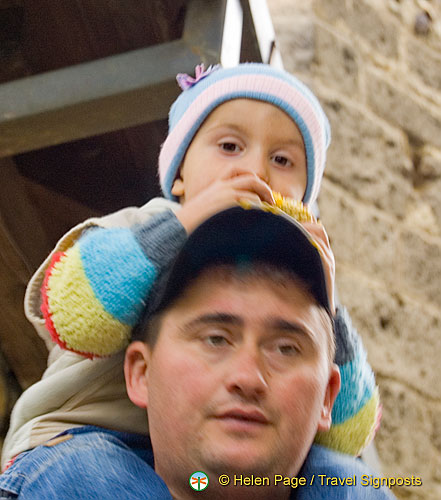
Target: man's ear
[(331, 393), (136, 365), (178, 188)]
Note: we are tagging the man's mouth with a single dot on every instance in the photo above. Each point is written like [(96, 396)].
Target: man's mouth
[(242, 419)]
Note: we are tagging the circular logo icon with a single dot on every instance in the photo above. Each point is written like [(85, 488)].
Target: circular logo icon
[(198, 481)]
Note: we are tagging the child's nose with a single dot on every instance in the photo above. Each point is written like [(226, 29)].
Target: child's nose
[(259, 166)]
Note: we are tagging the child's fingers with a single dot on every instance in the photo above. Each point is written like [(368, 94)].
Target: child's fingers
[(221, 195), (318, 233), (234, 171), (211, 201), (248, 196), (317, 230), (252, 183)]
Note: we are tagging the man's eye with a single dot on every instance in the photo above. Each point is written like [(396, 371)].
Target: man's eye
[(229, 147), (288, 349), (216, 340)]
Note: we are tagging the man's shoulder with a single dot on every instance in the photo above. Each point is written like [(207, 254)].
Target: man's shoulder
[(334, 475), (86, 463)]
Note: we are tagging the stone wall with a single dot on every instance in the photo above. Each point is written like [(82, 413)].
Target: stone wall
[(376, 67)]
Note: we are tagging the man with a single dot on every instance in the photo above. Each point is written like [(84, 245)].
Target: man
[(236, 370), (236, 374)]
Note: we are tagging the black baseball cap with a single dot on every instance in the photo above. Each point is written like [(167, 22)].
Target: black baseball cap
[(239, 236)]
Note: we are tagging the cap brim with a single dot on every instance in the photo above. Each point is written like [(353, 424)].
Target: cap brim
[(239, 236)]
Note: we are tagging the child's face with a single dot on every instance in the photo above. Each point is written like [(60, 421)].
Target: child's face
[(253, 136)]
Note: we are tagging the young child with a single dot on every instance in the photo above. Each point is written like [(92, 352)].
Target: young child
[(234, 134)]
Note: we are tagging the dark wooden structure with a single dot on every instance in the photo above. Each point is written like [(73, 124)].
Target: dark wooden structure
[(85, 87)]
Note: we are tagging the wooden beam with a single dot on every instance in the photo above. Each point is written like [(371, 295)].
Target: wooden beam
[(111, 93), (32, 218), (24, 351), (90, 98), (23, 245), (20, 219), (22, 348)]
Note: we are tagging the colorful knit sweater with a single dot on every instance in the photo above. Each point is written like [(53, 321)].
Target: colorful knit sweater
[(95, 286)]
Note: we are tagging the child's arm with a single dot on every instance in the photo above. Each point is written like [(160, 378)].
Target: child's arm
[(356, 413), (99, 277), (95, 292)]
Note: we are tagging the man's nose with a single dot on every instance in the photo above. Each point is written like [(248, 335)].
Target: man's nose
[(246, 374)]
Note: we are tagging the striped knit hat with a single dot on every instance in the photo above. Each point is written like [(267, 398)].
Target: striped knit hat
[(202, 94)]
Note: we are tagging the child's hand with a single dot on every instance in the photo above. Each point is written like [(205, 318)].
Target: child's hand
[(234, 185), (317, 231)]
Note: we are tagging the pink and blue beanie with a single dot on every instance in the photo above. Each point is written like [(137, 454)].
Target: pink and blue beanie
[(202, 94)]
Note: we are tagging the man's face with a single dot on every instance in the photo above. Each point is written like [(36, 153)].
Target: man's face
[(239, 379)]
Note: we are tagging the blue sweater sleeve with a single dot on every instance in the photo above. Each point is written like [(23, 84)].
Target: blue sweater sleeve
[(95, 292), (356, 411)]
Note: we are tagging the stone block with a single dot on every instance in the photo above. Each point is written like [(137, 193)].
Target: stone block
[(335, 61), (295, 41), (431, 192), (404, 440), (436, 432), (434, 37), (420, 266), (339, 216), (375, 26), (429, 166), (401, 336), (424, 62), (371, 22), (422, 216), (329, 10), (422, 18), (360, 237), (371, 162), (403, 108)]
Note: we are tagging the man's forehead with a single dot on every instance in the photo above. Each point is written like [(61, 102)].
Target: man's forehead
[(270, 282), (211, 291), (280, 280)]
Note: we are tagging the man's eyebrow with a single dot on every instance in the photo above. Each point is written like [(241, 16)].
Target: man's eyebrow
[(290, 327), (215, 319), (273, 324)]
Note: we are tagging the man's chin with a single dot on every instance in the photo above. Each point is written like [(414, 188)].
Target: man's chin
[(238, 460)]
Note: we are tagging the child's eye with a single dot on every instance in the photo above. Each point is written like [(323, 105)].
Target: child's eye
[(229, 147), (283, 161)]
